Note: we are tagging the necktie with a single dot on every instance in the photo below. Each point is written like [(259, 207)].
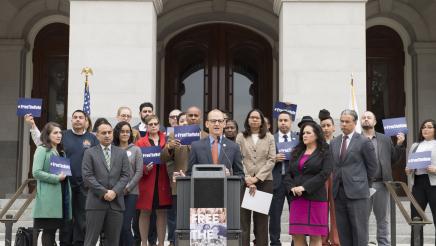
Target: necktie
[(215, 151), (285, 139), (343, 147), (107, 157)]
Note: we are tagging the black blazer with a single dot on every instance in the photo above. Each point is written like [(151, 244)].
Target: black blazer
[(315, 173)]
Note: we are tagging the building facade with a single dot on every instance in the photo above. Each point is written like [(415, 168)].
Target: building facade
[(230, 54)]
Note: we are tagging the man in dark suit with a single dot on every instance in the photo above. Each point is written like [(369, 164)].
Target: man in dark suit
[(105, 171), (355, 168), (386, 154), (284, 134), (216, 149)]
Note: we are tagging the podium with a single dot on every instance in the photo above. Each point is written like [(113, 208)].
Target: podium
[(208, 187)]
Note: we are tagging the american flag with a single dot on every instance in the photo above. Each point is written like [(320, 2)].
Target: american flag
[(87, 100)]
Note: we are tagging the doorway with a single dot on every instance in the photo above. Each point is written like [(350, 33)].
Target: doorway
[(222, 66)]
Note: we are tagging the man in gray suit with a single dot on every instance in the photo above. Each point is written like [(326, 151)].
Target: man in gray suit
[(215, 148), (355, 168), (105, 170), (386, 154)]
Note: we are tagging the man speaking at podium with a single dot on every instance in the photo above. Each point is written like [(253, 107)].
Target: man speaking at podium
[(216, 149)]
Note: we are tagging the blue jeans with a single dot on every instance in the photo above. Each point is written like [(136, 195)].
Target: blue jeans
[(171, 220), (126, 237)]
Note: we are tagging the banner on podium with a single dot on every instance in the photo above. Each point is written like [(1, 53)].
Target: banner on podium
[(208, 226)]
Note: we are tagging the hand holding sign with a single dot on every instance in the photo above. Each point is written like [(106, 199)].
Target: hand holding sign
[(187, 134)]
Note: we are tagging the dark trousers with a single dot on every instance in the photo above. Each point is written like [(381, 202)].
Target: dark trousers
[(152, 231), (126, 237), (48, 237), (424, 194), (171, 220), (76, 228), (109, 221), (275, 214), (260, 221), (352, 219)]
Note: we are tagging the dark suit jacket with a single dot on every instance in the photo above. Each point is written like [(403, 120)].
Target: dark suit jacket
[(230, 156), (388, 154), (358, 167), (277, 170), (316, 171), (99, 179)]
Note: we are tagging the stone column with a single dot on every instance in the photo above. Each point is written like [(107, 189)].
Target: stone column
[(424, 86), (11, 80), (322, 42), (117, 39)]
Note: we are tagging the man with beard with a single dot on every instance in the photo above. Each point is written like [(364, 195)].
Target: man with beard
[(145, 109), (386, 154)]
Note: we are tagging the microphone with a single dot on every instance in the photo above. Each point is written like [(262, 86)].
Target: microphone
[(223, 146)]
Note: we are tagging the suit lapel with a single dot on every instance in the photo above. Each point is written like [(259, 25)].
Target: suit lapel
[(208, 149), (335, 145), (351, 144), (221, 158)]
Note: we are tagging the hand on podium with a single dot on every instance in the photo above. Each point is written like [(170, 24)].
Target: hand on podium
[(178, 174)]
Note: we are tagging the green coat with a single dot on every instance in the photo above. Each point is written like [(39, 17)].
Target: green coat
[(48, 200)]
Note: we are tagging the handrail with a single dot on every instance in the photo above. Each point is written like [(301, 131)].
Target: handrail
[(10, 220), (416, 223)]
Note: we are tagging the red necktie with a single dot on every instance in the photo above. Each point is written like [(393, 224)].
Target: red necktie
[(343, 147), (215, 151)]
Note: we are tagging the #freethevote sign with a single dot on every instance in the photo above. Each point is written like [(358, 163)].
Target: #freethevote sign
[(31, 106)]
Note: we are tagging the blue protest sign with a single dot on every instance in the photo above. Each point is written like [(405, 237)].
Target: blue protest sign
[(187, 134), (394, 126), (281, 106), (151, 154), (60, 164), (286, 148), (419, 160), (31, 106)]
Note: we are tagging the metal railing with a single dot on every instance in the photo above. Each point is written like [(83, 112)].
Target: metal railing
[(10, 219), (416, 223)]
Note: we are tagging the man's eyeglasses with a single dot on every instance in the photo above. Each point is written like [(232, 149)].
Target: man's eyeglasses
[(214, 121), (125, 116), (193, 115)]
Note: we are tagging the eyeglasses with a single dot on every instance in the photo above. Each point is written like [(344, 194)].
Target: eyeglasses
[(214, 121), (125, 116), (153, 124), (193, 115), (173, 116)]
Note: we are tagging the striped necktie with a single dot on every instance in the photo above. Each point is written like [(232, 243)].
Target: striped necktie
[(107, 157)]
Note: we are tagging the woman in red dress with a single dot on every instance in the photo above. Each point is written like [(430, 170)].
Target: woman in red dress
[(154, 186)]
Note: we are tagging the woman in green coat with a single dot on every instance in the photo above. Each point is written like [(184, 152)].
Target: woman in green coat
[(53, 200)]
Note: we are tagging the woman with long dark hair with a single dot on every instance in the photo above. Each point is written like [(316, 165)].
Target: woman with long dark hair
[(310, 167), (154, 186), (423, 181), (258, 151), (123, 138), (53, 200)]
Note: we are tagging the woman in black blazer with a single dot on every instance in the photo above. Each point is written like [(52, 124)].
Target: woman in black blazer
[(310, 167)]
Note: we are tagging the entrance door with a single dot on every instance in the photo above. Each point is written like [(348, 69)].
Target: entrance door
[(50, 76), (219, 66), (385, 80)]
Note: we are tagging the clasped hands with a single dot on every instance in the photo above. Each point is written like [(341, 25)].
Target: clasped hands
[(110, 195), (250, 182), (297, 191)]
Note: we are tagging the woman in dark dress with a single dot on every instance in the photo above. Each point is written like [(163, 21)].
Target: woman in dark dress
[(154, 186), (310, 167), (53, 200)]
